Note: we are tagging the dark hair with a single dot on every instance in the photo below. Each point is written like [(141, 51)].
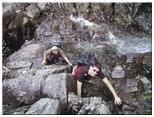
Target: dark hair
[(96, 64)]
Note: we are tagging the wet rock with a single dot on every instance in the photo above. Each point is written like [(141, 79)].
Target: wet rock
[(96, 106), (127, 108), (106, 70), (118, 72), (131, 86), (44, 27), (127, 19), (45, 106), (133, 15), (75, 103), (45, 31), (32, 11), (143, 19), (127, 85), (109, 52), (145, 82), (140, 105), (146, 104), (103, 109), (21, 110), (41, 5), (147, 59), (131, 70), (73, 99), (8, 110), (89, 105), (10, 9)]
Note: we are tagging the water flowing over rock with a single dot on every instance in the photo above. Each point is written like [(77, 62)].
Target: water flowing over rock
[(134, 17), (118, 72), (118, 34)]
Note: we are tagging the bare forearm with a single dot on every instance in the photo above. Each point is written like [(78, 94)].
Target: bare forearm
[(106, 81), (79, 93), (67, 60), (79, 86), (64, 56), (45, 57), (117, 99), (46, 53)]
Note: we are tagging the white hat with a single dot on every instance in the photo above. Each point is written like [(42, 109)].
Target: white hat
[(54, 48)]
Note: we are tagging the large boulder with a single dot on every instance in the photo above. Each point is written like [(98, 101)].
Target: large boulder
[(23, 90), (26, 85), (33, 11), (28, 52), (144, 84), (45, 106), (96, 106), (88, 105), (56, 87)]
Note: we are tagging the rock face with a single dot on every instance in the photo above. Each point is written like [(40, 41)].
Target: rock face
[(32, 11), (22, 90), (26, 80), (27, 86), (28, 52), (45, 106), (96, 106), (89, 105), (55, 87), (21, 19), (18, 64)]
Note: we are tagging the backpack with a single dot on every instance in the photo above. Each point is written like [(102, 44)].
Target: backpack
[(86, 59), (56, 43)]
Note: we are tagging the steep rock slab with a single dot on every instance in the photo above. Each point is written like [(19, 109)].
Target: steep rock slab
[(18, 64), (28, 52)]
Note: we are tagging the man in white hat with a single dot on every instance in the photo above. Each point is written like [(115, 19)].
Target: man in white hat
[(55, 55)]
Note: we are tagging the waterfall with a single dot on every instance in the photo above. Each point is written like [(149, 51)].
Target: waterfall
[(125, 45)]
